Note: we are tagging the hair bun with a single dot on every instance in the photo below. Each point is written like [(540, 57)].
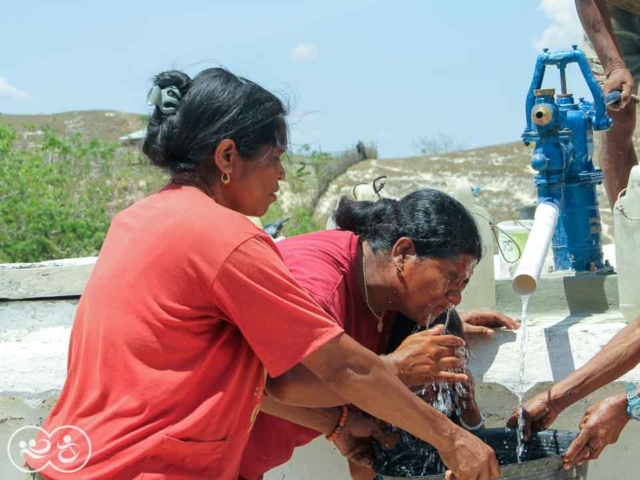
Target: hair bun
[(173, 78)]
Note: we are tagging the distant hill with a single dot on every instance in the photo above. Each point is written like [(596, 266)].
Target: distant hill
[(105, 125), (501, 171)]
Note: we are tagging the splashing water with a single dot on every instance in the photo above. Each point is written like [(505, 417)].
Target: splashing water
[(523, 338), (446, 322), (449, 399)]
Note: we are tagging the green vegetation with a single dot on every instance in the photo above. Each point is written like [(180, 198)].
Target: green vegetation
[(57, 197)]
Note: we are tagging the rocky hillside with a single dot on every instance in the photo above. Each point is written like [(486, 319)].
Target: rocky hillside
[(105, 125), (502, 172)]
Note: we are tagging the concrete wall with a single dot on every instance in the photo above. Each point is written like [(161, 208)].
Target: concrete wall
[(570, 321)]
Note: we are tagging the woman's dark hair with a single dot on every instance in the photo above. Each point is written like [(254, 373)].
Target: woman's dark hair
[(214, 106), (438, 225)]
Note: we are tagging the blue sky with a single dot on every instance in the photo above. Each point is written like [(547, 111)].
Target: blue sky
[(381, 71)]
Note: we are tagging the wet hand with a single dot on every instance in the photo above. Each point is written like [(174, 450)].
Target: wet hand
[(619, 78), (356, 439), (600, 426), (426, 356), (482, 322), (539, 413), (469, 458)]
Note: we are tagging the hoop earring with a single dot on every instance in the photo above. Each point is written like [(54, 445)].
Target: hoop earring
[(226, 178)]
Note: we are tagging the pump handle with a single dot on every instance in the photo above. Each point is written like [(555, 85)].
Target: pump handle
[(561, 59), (613, 97)]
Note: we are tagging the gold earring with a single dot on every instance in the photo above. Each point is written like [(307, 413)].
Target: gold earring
[(226, 178), (399, 270)]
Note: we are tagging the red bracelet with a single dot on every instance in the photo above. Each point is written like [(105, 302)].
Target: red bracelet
[(341, 423)]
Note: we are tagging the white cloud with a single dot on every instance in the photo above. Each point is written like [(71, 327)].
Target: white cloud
[(8, 90), (304, 52), (565, 29)]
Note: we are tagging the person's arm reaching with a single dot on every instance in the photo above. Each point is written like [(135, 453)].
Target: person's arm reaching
[(362, 378), (422, 358), (354, 441), (617, 357), (300, 387), (596, 21)]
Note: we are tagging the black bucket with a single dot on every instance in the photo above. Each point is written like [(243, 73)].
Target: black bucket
[(541, 458)]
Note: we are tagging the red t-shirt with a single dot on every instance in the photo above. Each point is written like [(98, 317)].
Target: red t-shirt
[(325, 264), (187, 305)]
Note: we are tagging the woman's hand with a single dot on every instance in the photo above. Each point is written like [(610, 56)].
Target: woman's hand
[(469, 458), (482, 322), (426, 356), (600, 426), (355, 440), (539, 413)]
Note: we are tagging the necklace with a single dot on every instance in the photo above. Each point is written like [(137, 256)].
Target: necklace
[(366, 295)]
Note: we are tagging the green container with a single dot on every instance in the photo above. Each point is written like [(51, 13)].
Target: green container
[(512, 238)]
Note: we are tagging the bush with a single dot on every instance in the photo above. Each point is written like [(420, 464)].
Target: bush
[(57, 199)]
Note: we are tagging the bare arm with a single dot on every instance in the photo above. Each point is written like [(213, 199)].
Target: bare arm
[(322, 420), (354, 441), (301, 387), (596, 21), (617, 357), (361, 377), (422, 358)]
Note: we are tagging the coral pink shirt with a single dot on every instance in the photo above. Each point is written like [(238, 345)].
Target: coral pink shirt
[(324, 264), (186, 307)]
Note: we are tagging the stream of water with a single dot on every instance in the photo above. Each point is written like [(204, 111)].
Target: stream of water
[(522, 348)]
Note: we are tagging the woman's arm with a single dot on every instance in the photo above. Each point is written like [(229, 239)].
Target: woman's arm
[(323, 420), (617, 357), (422, 358), (471, 417), (298, 386), (354, 441), (362, 378)]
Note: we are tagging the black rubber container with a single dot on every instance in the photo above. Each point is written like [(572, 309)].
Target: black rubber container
[(541, 458)]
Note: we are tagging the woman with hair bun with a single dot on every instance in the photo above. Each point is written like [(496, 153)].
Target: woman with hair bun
[(391, 268), (190, 306)]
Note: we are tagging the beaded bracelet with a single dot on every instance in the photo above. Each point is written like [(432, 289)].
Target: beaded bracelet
[(341, 423), (474, 428)]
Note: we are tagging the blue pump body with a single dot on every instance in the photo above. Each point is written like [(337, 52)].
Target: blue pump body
[(562, 131)]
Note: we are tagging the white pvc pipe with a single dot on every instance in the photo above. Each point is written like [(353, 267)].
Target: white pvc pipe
[(527, 274)]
